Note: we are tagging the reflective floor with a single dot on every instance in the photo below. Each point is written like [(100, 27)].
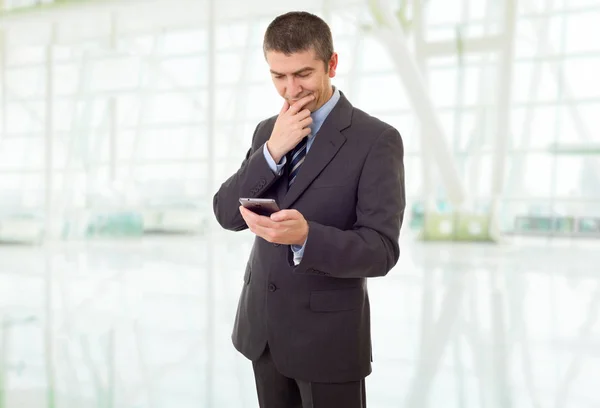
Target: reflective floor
[(147, 323)]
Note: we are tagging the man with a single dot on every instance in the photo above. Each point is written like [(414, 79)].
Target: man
[(338, 177)]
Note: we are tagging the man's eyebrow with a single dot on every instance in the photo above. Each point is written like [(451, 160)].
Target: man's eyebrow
[(294, 73)]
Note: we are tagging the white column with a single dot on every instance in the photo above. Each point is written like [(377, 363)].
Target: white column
[(49, 221), (112, 139), (3, 360), (504, 99), (48, 325), (112, 109), (427, 161), (210, 189), (391, 34), (3, 82)]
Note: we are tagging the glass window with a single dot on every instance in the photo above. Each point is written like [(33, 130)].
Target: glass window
[(381, 93), (534, 127), (115, 74), (580, 29), (535, 176), (442, 86), (581, 77), (439, 11)]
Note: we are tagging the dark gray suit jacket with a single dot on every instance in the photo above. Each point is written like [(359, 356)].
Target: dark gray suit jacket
[(316, 316)]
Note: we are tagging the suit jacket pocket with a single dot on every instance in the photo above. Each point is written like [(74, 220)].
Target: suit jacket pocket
[(338, 300), (247, 274)]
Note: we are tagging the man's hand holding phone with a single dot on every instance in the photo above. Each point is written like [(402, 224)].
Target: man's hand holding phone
[(285, 227), (292, 125)]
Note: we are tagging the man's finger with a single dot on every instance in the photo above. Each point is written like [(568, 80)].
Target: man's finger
[(244, 213), (264, 233), (265, 222), (284, 108), (303, 114), (254, 223), (285, 215), (306, 122), (297, 106), (248, 215), (257, 219)]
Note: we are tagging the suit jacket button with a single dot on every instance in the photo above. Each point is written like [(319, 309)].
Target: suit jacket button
[(272, 288)]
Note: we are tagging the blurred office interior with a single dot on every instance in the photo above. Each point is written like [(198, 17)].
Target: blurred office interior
[(119, 119)]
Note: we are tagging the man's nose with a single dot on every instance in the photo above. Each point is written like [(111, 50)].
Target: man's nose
[(294, 89)]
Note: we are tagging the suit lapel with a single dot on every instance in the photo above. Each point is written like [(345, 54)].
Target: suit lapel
[(326, 144)]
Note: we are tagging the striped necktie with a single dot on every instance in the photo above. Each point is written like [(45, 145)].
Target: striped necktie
[(298, 155)]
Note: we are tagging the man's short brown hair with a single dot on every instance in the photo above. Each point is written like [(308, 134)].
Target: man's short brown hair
[(298, 31)]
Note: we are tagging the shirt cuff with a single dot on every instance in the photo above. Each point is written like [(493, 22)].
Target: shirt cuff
[(298, 252), (276, 168)]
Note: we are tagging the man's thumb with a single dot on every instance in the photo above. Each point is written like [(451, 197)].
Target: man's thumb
[(280, 215)]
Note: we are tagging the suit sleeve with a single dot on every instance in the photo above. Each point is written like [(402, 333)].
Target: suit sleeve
[(371, 247), (253, 179)]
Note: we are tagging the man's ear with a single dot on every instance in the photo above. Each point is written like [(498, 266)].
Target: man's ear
[(332, 65)]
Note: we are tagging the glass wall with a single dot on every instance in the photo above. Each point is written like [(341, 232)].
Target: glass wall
[(114, 102)]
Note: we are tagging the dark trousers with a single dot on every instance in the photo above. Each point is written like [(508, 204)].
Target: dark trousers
[(277, 391)]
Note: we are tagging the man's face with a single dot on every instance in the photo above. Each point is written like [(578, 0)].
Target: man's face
[(300, 74)]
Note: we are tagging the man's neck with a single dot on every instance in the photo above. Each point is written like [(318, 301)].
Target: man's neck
[(329, 96)]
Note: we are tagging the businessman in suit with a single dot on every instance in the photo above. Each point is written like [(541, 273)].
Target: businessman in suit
[(337, 174)]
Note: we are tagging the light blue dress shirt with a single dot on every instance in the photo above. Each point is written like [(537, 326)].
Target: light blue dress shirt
[(318, 118)]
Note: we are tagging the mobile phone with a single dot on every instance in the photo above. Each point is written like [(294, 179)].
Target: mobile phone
[(260, 206)]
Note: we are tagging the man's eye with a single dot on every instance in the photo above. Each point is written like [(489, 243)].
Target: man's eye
[(303, 75)]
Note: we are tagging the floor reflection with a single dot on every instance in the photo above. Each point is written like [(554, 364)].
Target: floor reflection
[(143, 324)]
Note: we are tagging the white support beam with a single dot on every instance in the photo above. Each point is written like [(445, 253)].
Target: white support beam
[(3, 83), (353, 76), (326, 7), (112, 139), (515, 179), (477, 139), (467, 46), (49, 327), (546, 48), (4, 338), (49, 139), (505, 75), (144, 98), (501, 387), (112, 110), (427, 161), (210, 283), (391, 35), (240, 106), (438, 338), (461, 73)]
